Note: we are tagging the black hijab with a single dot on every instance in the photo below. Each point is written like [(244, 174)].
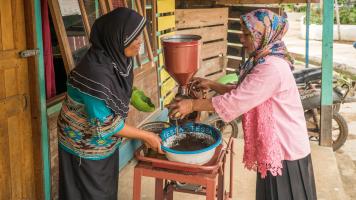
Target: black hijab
[(105, 72)]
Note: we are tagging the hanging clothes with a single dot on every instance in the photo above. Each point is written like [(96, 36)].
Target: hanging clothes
[(47, 51)]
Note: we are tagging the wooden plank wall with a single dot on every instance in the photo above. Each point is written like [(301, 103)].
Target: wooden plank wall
[(184, 4), (211, 24)]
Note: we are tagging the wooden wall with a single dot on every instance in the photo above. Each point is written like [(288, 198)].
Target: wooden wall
[(211, 24)]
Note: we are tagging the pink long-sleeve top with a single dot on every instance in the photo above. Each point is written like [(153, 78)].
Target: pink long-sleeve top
[(273, 80)]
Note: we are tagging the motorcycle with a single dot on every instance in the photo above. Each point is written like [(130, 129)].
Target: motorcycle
[(309, 85)]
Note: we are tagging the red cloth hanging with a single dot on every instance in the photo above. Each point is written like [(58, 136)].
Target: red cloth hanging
[(47, 50)]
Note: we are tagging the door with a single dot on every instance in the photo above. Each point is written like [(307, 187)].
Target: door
[(17, 171)]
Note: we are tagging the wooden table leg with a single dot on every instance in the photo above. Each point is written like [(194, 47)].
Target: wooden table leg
[(137, 184), (159, 189), (170, 192), (211, 189), (232, 169), (221, 186)]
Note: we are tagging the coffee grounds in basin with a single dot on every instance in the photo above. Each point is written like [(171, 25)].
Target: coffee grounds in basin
[(190, 141)]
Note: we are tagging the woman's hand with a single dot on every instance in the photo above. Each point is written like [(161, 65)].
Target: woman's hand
[(153, 141), (201, 83), (179, 108)]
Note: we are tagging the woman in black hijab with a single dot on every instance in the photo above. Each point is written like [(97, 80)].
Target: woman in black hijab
[(92, 120)]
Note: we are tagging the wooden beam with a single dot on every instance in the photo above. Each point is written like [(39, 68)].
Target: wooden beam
[(239, 2), (103, 8), (109, 5), (85, 18), (42, 191), (327, 74), (61, 35), (144, 8), (154, 26), (125, 3)]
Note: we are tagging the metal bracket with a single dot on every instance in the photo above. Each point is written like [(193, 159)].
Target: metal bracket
[(29, 53)]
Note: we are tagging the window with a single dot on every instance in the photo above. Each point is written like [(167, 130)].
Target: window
[(70, 22)]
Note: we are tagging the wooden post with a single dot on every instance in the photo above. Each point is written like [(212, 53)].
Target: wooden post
[(327, 74), (85, 18), (144, 8), (103, 7), (110, 6), (159, 189), (137, 184), (154, 26), (37, 94)]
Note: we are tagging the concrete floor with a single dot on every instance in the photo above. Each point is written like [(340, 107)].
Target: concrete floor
[(346, 155), (328, 180)]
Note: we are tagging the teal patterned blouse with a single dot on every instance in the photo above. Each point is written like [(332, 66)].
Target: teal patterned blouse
[(87, 127)]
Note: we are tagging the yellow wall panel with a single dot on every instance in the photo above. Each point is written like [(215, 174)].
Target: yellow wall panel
[(164, 75), (167, 87), (169, 98), (165, 6), (166, 22), (160, 60)]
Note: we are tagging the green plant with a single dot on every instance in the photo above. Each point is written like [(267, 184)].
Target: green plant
[(347, 15)]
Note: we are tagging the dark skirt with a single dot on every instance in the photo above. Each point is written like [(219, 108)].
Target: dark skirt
[(296, 183), (82, 179)]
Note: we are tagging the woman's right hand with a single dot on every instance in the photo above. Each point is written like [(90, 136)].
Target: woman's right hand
[(153, 141), (201, 83)]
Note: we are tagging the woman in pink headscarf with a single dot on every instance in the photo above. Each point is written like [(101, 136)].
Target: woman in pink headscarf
[(275, 133)]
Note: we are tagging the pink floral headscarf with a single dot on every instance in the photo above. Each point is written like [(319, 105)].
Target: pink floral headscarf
[(267, 30), (262, 149)]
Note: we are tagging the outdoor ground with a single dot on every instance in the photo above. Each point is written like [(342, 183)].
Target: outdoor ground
[(346, 156)]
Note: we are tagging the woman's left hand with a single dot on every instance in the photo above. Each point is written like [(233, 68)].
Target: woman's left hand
[(179, 108)]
